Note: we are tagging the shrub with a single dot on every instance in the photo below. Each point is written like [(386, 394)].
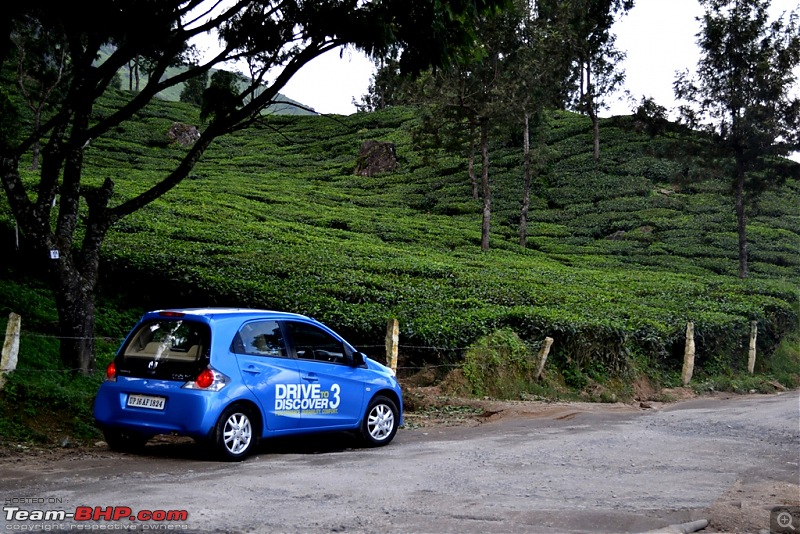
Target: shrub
[(499, 365), (784, 364)]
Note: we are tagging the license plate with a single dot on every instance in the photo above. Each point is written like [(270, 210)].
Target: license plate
[(146, 401)]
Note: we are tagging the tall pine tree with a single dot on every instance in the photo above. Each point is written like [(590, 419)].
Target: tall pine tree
[(744, 95)]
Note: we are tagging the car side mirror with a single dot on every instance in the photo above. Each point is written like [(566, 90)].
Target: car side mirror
[(359, 359)]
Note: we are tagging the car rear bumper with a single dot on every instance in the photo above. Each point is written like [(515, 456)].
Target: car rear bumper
[(186, 412)]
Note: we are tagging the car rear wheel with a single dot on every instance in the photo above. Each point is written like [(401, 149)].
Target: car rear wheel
[(121, 440), (380, 422), (234, 437)]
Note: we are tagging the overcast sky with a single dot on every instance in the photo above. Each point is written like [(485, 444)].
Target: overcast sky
[(658, 37)]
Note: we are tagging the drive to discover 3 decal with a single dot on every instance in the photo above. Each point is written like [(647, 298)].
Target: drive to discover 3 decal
[(291, 399)]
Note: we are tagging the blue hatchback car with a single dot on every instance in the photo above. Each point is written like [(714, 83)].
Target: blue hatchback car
[(230, 377)]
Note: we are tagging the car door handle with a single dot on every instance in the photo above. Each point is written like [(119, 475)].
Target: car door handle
[(252, 369), (311, 378)]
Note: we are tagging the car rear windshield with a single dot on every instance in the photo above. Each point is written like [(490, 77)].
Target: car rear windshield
[(170, 349)]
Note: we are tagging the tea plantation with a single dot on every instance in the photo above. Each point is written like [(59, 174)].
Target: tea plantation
[(621, 253)]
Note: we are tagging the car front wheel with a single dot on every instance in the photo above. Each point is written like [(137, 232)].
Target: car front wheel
[(380, 422), (234, 437)]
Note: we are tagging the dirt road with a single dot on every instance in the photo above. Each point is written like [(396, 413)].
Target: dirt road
[(528, 467)]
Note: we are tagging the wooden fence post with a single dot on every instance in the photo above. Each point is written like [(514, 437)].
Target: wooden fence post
[(751, 359), (392, 341), (543, 352), (8, 361), (688, 354)]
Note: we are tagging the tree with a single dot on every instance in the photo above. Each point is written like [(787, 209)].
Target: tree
[(387, 87), (274, 38), (133, 73), (534, 76), (41, 58), (598, 62), (480, 87), (460, 105), (743, 94), (463, 103), (192, 92), (222, 96), (457, 103), (516, 71)]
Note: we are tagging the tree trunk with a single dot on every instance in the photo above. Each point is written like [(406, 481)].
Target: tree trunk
[(76, 314), (591, 111), (75, 282), (526, 185), (74, 273), (487, 193), (471, 165), (35, 161), (136, 72), (741, 220), (37, 147)]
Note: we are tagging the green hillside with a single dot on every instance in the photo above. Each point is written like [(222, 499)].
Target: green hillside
[(622, 253), (284, 105)]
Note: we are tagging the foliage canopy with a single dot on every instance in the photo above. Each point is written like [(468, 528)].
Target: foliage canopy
[(273, 38)]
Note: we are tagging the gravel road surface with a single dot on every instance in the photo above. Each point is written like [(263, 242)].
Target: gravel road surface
[(529, 467)]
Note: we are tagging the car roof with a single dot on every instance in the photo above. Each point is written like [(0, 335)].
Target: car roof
[(211, 313)]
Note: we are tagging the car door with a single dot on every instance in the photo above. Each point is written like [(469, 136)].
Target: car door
[(332, 391), (268, 371)]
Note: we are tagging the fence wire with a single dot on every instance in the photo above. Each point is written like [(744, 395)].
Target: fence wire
[(119, 340)]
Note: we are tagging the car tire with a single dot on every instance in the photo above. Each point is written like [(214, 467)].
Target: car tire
[(122, 440), (379, 424), (234, 435)]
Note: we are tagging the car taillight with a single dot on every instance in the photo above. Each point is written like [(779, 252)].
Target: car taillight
[(111, 372), (205, 379), (208, 380)]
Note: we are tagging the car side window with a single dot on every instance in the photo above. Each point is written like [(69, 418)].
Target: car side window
[(313, 343), (260, 338)]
